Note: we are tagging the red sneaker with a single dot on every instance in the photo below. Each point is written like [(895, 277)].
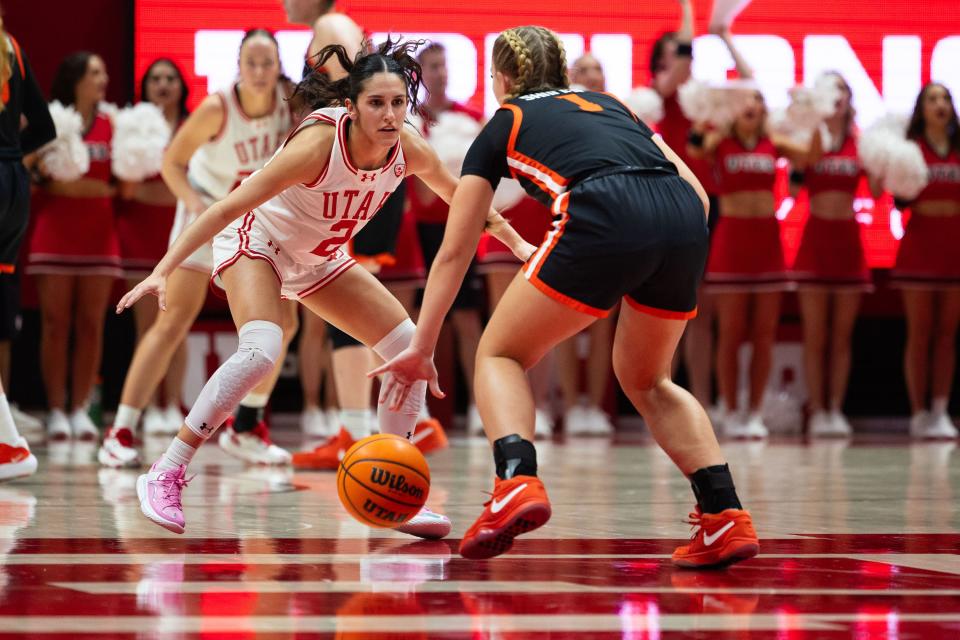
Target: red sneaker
[(327, 456), (429, 436), (16, 461), (518, 505), (718, 539)]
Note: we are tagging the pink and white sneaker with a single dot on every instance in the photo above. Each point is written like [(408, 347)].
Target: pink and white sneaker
[(159, 492), (117, 450), (427, 525)]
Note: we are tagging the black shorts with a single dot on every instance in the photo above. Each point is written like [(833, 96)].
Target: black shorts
[(378, 238), (14, 211), (430, 235), (625, 232)]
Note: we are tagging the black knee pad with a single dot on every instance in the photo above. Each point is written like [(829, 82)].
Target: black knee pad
[(339, 339)]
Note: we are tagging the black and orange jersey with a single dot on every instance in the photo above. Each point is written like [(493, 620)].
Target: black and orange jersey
[(549, 140), (22, 96)]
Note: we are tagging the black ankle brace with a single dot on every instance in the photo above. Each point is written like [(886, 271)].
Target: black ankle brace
[(713, 487), (514, 456)]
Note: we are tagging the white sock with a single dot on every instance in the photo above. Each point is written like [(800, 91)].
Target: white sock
[(255, 400), (8, 430), (178, 453), (357, 422), (939, 406), (127, 417), (424, 413)]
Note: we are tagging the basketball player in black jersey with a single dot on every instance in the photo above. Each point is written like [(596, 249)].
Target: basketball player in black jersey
[(629, 222)]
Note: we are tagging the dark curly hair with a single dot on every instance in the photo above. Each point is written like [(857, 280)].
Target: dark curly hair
[(317, 90)]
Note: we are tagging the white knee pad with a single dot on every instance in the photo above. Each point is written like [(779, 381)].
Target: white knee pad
[(260, 345), (400, 422)]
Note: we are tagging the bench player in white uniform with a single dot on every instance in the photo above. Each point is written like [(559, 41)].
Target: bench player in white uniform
[(282, 234), (230, 135)]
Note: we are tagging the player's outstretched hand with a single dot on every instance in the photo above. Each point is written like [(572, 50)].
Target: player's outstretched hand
[(407, 368), (155, 284)]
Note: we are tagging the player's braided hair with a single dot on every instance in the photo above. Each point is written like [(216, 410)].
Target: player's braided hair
[(317, 90), (534, 57)]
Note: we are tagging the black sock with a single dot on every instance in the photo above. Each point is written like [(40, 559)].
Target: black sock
[(713, 487), (247, 418), (514, 456)]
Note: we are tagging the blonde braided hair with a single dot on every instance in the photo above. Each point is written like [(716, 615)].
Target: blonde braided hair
[(533, 56)]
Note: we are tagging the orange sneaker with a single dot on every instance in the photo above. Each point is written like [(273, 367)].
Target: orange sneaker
[(518, 505), (429, 436), (718, 539), (327, 456)]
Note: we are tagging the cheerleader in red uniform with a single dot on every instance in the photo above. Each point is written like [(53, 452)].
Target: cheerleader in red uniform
[(927, 269), (75, 255), (830, 269), (145, 217), (745, 270)]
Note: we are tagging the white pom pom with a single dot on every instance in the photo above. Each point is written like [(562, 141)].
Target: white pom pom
[(66, 158), (647, 104), (508, 195), (876, 143), (695, 100), (451, 137), (140, 135), (825, 94), (109, 109), (907, 173)]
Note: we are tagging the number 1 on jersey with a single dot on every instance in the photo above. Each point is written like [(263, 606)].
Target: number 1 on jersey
[(583, 103)]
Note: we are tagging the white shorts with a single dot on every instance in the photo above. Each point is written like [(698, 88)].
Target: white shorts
[(246, 237), (202, 258)]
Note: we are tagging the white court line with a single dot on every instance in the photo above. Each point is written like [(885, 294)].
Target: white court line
[(460, 586), (941, 562), (433, 623)]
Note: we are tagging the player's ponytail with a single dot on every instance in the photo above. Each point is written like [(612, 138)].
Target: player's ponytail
[(317, 90), (533, 57)]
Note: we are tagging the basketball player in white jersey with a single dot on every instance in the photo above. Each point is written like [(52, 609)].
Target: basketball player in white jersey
[(282, 233), (351, 360), (231, 134)]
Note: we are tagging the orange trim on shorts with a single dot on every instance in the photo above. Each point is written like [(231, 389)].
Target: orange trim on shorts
[(660, 313), (562, 204), (566, 300)]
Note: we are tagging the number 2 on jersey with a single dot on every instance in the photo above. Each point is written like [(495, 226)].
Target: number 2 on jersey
[(327, 248)]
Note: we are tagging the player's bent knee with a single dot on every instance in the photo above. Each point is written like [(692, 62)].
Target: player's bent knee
[(261, 343)]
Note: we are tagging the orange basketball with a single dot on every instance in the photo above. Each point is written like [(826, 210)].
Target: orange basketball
[(383, 480)]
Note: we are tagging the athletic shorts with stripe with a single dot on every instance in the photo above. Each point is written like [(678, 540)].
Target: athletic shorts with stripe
[(632, 233), (244, 237)]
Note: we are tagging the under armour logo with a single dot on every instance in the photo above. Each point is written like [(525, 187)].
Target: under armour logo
[(364, 177), (206, 428), (276, 251)]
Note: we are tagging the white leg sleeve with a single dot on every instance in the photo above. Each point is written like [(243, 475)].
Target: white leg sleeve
[(260, 345), (400, 422)]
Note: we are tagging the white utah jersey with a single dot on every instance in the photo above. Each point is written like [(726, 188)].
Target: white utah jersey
[(242, 145), (311, 222)]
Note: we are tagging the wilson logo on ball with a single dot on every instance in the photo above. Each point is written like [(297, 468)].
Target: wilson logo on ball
[(395, 482)]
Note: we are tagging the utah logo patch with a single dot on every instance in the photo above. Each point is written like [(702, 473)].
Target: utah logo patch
[(398, 170)]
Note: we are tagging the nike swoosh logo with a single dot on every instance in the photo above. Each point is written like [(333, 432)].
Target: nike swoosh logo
[(710, 538), (420, 435), (495, 506)]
